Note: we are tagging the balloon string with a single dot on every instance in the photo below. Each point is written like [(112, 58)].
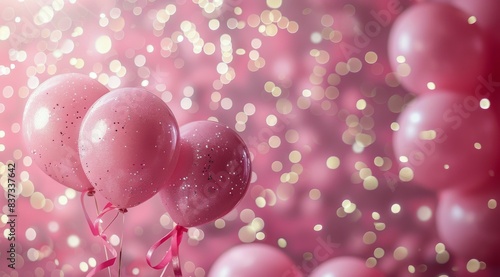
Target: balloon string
[(121, 248), (163, 272), (105, 249), (96, 204), (96, 228), (95, 231), (172, 254), (113, 220)]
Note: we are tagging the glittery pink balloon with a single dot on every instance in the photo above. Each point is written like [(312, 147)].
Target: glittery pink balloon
[(433, 42), (448, 140), (468, 224), (211, 176), (51, 123), (128, 145), (345, 267), (256, 259)]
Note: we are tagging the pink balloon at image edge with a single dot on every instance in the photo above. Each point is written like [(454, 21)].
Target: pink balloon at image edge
[(451, 56), (345, 267), (211, 175), (467, 222), (51, 124), (255, 259), (461, 145), (486, 14), (129, 145)]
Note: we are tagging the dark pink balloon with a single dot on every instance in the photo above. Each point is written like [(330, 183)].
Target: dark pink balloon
[(346, 267), (211, 176), (486, 14), (433, 42), (468, 224), (256, 259), (448, 140), (51, 123), (128, 145)]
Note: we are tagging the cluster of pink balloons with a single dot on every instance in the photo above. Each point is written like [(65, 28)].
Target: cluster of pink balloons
[(126, 145), (448, 136), (249, 260)]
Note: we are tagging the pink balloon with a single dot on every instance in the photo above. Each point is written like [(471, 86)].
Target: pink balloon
[(128, 145), (51, 123), (486, 13), (256, 259), (345, 267), (211, 176), (448, 140), (433, 42), (468, 224)]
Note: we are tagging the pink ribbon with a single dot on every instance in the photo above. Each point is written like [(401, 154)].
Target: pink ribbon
[(95, 229), (89, 192), (172, 255)]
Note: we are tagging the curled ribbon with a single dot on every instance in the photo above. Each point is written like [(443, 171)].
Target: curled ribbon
[(172, 254), (89, 193), (95, 229)]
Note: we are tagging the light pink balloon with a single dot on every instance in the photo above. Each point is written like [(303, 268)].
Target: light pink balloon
[(345, 267), (448, 140), (128, 145), (438, 45), (51, 123), (211, 176), (468, 224), (251, 260)]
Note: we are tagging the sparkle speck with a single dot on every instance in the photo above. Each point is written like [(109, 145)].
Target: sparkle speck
[(73, 241), (484, 103), (395, 208), (103, 44), (473, 266), (424, 213)]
